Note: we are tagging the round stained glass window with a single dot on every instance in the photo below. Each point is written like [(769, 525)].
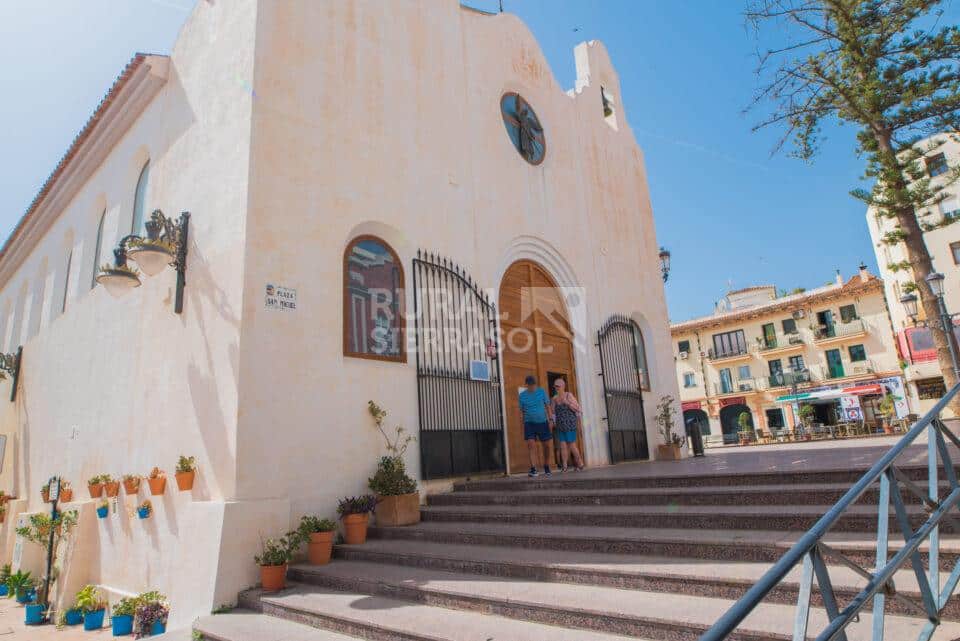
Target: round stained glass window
[(523, 127)]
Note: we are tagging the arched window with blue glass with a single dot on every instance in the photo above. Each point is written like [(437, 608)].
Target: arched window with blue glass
[(523, 127), (373, 323), (139, 201)]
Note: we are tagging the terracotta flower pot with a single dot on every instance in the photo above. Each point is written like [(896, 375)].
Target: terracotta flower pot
[(96, 490), (157, 485), (320, 547), (45, 495), (131, 486), (403, 509), (355, 528), (112, 488), (273, 577), (185, 480), (66, 495), (3, 515)]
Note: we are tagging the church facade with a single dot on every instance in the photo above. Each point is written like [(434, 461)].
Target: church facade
[(393, 202)]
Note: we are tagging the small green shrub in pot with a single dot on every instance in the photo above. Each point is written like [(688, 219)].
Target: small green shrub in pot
[(391, 478), (274, 556), (318, 534), (398, 500)]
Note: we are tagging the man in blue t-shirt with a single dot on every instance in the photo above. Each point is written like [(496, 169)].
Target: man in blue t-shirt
[(537, 416)]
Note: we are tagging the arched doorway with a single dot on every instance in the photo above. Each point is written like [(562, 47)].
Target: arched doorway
[(696, 419), (537, 339), (729, 417)]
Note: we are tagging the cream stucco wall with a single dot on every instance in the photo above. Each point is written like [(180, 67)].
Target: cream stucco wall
[(123, 385), (384, 118), (288, 128)]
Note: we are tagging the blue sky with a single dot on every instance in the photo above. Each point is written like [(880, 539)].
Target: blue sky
[(729, 213)]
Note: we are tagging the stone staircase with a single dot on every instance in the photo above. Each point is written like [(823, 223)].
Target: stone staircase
[(594, 556)]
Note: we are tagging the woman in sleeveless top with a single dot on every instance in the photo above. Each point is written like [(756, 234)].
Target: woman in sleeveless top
[(566, 411)]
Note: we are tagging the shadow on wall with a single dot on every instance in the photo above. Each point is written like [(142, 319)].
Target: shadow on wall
[(205, 294)]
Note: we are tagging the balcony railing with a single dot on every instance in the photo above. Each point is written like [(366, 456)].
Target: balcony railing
[(713, 354), (839, 330), (786, 379), (734, 387), (779, 343)]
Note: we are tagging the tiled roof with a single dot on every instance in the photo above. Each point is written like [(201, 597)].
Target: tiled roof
[(74, 147), (852, 287)]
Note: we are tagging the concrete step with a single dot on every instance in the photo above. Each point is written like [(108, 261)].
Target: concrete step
[(857, 518), (627, 477), (243, 625), (718, 579), (595, 608), (807, 494), (740, 545), (387, 619)]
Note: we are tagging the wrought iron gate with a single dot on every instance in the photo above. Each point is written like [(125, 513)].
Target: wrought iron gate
[(458, 372), (619, 368)]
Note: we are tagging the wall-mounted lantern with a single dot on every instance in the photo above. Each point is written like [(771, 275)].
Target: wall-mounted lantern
[(10, 364), (909, 302), (165, 244), (664, 263)]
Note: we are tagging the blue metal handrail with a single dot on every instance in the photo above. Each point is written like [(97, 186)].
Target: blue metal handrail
[(810, 549)]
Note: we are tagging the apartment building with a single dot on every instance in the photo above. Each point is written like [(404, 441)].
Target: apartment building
[(764, 354), (922, 372)]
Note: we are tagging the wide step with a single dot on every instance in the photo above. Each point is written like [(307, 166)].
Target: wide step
[(251, 626), (725, 579), (389, 619), (591, 608)]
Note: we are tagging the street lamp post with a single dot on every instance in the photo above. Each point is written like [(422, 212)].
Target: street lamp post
[(935, 282), (664, 257)]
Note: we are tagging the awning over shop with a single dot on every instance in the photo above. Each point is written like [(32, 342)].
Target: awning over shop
[(811, 396), (864, 390), (690, 405)]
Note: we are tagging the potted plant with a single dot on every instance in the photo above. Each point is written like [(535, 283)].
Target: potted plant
[(91, 602), (131, 484), (73, 616), (110, 486), (355, 512), (34, 613), (186, 471), (145, 509), (4, 577), (318, 534), (887, 409), (20, 587), (66, 491), (3, 512), (103, 508), (273, 559), (673, 443), (746, 428), (157, 481), (122, 616), (151, 614), (398, 502), (95, 486), (45, 492)]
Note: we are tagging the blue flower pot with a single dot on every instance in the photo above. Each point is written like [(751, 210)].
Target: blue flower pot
[(4, 591), (34, 614), (26, 596), (73, 617), (93, 620), (143, 512), (122, 625), (102, 512), (158, 627)]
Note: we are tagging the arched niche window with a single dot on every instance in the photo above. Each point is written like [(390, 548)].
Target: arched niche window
[(96, 251), (373, 325), (642, 370), (139, 201)]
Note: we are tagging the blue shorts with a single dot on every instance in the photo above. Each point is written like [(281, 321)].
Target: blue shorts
[(536, 432), (567, 437)]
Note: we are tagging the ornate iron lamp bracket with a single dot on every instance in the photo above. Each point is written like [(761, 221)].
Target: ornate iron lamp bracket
[(10, 364), (161, 229)]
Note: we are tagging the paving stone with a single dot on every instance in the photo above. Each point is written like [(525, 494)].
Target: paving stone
[(251, 626)]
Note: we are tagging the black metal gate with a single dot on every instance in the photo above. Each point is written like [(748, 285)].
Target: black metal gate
[(619, 368), (458, 372)]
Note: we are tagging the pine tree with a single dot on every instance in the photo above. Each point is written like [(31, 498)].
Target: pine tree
[(892, 69)]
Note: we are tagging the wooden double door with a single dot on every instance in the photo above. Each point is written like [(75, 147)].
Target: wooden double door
[(537, 339)]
